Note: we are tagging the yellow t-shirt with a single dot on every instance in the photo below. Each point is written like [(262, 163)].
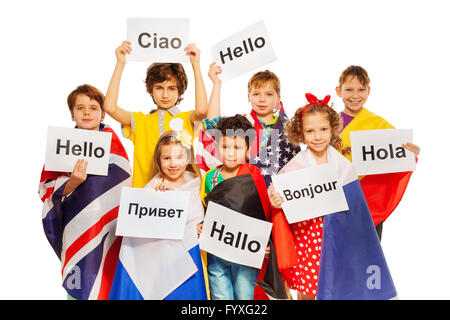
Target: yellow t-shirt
[(144, 132)]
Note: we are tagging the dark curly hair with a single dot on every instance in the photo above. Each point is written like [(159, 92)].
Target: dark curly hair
[(237, 126), (293, 128), (162, 72)]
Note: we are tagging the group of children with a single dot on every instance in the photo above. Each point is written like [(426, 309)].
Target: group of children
[(232, 166)]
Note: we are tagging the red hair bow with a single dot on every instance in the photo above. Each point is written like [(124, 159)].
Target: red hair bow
[(312, 99)]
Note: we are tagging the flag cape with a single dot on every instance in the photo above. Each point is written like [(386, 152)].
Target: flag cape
[(81, 226), (351, 255), (155, 269), (246, 193), (383, 192), (270, 159)]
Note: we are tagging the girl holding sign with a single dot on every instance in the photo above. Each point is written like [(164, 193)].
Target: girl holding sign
[(159, 267), (344, 245)]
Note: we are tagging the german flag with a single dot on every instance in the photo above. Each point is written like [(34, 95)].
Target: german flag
[(246, 193)]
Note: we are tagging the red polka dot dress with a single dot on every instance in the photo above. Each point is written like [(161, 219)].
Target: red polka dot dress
[(308, 244)]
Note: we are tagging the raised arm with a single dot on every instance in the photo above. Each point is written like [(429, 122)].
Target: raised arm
[(110, 106), (214, 99), (201, 100)]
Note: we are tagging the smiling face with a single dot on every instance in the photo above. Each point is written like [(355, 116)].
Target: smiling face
[(173, 161), (354, 95), (165, 94), (264, 100), (87, 113), (316, 132)]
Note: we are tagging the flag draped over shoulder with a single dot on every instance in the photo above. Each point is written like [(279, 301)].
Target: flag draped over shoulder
[(352, 264), (269, 159), (155, 269), (246, 193), (383, 192), (81, 226)]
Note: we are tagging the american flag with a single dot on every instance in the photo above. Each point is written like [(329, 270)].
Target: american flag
[(269, 159), (81, 226)]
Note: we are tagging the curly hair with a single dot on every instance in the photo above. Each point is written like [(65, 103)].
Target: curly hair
[(294, 131), (237, 126), (162, 72)]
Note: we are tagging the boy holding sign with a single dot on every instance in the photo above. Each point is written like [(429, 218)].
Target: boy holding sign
[(238, 186), (383, 191), (270, 151), (80, 210), (166, 83), (344, 244)]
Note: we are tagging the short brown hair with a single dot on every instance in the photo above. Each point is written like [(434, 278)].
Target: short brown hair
[(162, 72), (167, 138), (355, 71), (92, 92), (294, 130), (262, 77), (239, 126)]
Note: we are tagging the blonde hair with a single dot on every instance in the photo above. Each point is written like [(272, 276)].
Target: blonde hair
[(294, 128), (168, 138)]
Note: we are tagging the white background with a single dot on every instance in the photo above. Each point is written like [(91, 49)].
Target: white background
[(50, 47)]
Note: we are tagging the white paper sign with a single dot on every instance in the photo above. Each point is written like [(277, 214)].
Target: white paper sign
[(311, 192), (66, 145), (158, 39), (146, 213), (233, 236), (381, 151), (244, 51)]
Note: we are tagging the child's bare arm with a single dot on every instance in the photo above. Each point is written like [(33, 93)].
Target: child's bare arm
[(412, 147), (214, 99), (201, 100), (77, 177), (110, 106)]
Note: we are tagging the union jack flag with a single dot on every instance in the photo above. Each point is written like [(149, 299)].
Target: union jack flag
[(269, 159), (81, 226)]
